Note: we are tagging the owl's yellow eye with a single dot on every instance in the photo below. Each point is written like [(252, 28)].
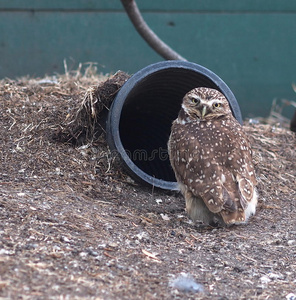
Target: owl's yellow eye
[(195, 101), (216, 105)]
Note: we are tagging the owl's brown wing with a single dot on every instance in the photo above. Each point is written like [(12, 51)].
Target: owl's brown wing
[(225, 181), (242, 168), (218, 188), (196, 170)]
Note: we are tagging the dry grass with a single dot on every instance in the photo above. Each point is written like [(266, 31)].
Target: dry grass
[(74, 226), (276, 117)]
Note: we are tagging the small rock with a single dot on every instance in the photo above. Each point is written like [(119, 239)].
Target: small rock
[(275, 276), (64, 239), (30, 246), (102, 246), (142, 236), (5, 252), (112, 245), (129, 180), (58, 171), (165, 217), (291, 296), (83, 254), (186, 283), (158, 201), (92, 252), (265, 280)]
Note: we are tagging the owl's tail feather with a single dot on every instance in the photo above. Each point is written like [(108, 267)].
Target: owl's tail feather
[(232, 211), (236, 217), (242, 212), (228, 202)]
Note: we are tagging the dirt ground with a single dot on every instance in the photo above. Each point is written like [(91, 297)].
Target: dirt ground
[(74, 226)]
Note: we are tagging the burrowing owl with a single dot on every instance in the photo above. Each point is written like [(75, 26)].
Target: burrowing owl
[(212, 160)]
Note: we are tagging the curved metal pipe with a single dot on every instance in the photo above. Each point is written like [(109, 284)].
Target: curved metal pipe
[(147, 34)]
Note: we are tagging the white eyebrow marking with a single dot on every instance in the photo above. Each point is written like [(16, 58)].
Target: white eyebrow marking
[(213, 101), (195, 96)]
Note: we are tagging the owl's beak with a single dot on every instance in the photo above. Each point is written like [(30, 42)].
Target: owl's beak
[(204, 111)]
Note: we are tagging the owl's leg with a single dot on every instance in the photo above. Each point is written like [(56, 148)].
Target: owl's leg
[(198, 211)]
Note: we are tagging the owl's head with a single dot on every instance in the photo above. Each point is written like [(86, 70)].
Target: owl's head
[(205, 104)]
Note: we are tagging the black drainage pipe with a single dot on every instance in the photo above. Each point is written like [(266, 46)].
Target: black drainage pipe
[(141, 115)]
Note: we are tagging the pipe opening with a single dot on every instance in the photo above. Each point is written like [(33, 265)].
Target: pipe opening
[(143, 112)]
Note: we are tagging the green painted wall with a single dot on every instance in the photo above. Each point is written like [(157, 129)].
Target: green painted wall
[(249, 44)]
